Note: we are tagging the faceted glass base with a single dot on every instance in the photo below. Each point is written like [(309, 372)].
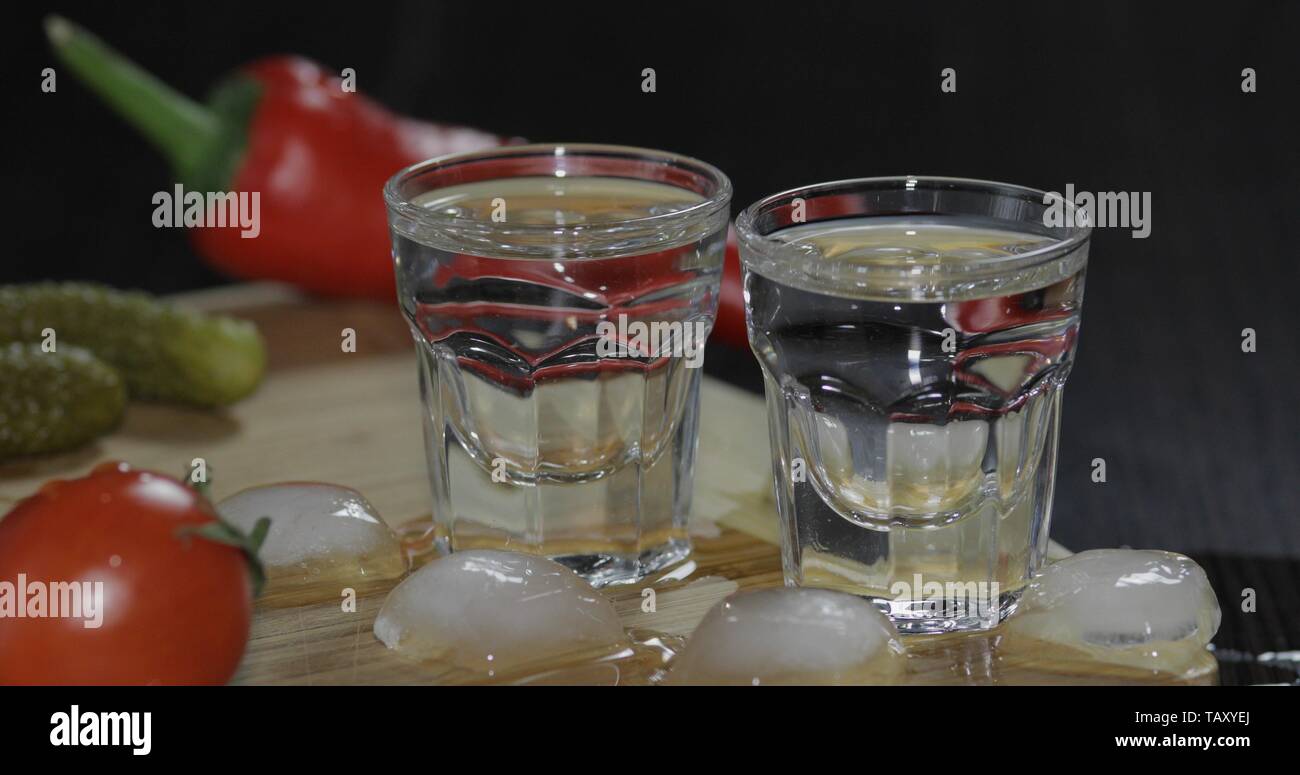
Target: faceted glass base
[(942, 615), (608, 569), (599, 569)]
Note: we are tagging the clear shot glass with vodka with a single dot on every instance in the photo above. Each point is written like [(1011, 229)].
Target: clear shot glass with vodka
[(559, 297), (915, 334)]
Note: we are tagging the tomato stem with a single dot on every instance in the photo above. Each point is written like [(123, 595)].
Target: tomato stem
[(222, 532)]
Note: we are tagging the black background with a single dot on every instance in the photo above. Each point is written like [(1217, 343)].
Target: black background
[(1201, 440)]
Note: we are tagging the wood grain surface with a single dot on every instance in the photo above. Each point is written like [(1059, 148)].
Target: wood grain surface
[(352, 419)]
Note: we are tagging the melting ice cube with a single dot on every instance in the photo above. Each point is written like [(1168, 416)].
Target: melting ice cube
[(492, 611), (1122, 597), (321, 534), (1148, 608), (791, 636)]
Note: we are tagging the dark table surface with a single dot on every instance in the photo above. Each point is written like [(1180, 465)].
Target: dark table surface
[(1201, 439)]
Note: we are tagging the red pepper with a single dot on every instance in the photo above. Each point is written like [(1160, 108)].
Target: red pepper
[(729, 328), (318, 156), (283, 127)]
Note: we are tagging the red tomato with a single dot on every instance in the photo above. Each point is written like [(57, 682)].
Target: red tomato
[(175, 608)]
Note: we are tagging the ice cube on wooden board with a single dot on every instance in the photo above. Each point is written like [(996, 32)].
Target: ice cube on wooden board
[(492, 612), (791, 636), (323, 539), (1148, 609)]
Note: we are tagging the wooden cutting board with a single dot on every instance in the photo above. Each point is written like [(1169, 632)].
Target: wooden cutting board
[(351, 418)]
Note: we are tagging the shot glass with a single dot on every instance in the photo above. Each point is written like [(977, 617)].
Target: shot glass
[(915, 334), (559, 297)]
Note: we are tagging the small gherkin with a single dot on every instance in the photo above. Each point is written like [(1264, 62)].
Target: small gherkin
[(163, 353), (55, 401)]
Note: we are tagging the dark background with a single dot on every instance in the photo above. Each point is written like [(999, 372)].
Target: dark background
[(1201, 440)]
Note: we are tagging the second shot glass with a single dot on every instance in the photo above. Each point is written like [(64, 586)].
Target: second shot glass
[(914, 334)]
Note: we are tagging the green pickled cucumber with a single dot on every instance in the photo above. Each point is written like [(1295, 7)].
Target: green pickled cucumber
[(55, 401), (164, 353)]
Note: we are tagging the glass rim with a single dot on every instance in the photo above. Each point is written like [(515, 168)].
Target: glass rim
[(765, 247), (401, 205)]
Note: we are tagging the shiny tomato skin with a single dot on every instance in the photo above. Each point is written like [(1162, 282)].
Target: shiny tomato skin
[(176, 609)]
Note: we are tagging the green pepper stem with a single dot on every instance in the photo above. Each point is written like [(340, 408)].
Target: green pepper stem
[(185, 131)]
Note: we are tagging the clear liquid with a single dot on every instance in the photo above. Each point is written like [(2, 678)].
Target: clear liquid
[(559, 201), (537, 442), (925, 430)]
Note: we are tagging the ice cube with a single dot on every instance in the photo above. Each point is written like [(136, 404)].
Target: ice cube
[(491, 611), (1121, 597), (321, 535), (791, 636), (1152, 609)]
